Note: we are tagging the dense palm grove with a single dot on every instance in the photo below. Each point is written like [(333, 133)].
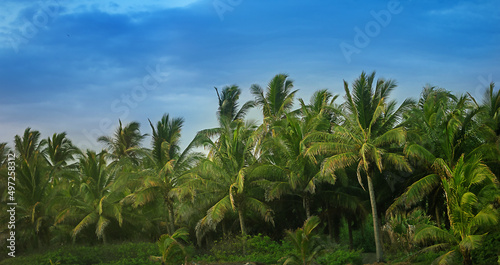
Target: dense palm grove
[(423, 173)]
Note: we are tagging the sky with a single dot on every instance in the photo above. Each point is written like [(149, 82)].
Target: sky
[(80, 66)]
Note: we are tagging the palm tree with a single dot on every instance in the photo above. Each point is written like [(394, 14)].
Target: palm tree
[(491, 105), (223, 181), (470, 189), (166, 138), (277, 101), (59, 150), (4, 150), (228, 104), (124, 142), (173, 247), (168, 165), (306, 243), (441, 126), (490, 120), (33, 191), (367, 139), (28, 145), (285, 155), (98, 202), (345, 199)]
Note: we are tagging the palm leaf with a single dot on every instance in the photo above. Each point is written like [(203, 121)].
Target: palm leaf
[(433, 234)]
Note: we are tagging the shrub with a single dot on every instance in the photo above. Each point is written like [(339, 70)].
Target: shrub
[(123, 254), (259, 248), (175, 248), (489, 251), (341, 256)]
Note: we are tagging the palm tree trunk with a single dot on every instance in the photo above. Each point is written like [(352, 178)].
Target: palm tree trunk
[(243, 229), (306, 204), (349, 228), (172, 218), (467, 257), (376, 230), (438, 216), (330, 225), (336, 228)]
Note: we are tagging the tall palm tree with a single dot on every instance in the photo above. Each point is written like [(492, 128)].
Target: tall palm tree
[(59, 150), (491, 104), (165, 139), (98, 202), (228, 104), (168, 165), (294, 171), (367, 139), (27, 145), (33, 190), (124, 142), (223, 181), (490, 120), (470, 189), (59, 153), (277, 101), (441, 126)]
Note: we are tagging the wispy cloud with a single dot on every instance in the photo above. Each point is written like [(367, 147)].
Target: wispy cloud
[(486, 9)]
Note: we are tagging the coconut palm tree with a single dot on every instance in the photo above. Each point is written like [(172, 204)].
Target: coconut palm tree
[(168, 164), (368, 138), (277, 101), (223, 182), (124, 142), (59, 153), (98, 201), (285, 155), (224, 179), (4, 150), (28, 145), (470, 188), (228, 103), (33, 193), (441, 126), (59, 150), (490, 120), (306, 243)]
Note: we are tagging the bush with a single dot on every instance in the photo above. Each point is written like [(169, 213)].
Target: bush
[(123, 254), (399, 231), (341, 256), (489, 251), (258, 248)]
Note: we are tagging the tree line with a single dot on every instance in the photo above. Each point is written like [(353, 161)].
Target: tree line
[(345, 162)]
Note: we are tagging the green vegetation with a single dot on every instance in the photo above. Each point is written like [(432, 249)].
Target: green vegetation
[(311, 183), (123, 254)]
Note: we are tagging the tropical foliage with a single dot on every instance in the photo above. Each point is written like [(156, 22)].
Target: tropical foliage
[(412, 177)]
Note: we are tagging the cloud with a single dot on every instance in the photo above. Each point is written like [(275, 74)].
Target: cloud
[(471, 10)]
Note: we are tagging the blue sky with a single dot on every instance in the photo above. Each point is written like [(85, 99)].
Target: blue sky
[(79, 66)]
